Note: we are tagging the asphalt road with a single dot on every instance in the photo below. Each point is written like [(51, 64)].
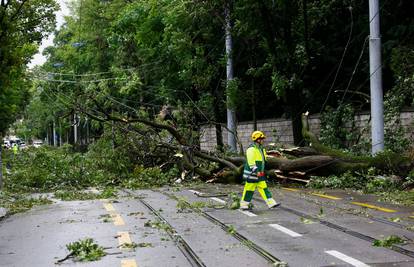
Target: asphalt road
[(334, 228)]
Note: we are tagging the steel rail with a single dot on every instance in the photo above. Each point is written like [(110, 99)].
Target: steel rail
[(182, 245), (326, 204), (348, 231), (247, 242)]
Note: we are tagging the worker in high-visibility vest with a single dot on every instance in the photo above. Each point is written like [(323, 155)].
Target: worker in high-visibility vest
[(15, 149), (254, 173)]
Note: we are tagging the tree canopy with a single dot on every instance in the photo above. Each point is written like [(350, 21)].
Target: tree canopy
[(130, 57), (23, 25)]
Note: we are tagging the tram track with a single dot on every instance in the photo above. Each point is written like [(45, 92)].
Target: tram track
[(346, 230), (196, 261), (186, 249), (244, 240), (380, 220), (182, 245), (337, 227)]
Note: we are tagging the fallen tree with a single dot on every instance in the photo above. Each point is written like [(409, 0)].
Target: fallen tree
[(296, 164)]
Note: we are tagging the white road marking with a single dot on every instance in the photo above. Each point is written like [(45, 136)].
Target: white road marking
[(347, 259), (218, 200), (285, 230), (248, 213)]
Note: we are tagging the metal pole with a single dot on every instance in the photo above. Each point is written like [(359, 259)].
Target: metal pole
[(60, 133), (54, 133), (377, 110), (75, 129), (87, 130), (231, 114)]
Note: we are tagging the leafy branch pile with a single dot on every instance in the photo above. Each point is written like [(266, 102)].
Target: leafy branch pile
[(19, 202), (62, 170), (389, 241), (85, 250)]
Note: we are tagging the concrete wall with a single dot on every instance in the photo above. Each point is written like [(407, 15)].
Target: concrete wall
[(280, 130)]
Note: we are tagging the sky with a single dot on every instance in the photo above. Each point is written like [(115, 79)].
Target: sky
[(39, 59)]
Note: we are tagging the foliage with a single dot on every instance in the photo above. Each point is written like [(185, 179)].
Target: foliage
[(396, 99), (159, 225), (142, 55), (231, 229), (106, 218), (130, 59), (18, 202), (183, 205), (23, 24), (79, 195), (387, 188), (86, 250), (369, 182), (346, 180), (134, 245), (149, 178), (234, 201), (306, 220), (48, 168), (338, 127), (388, 241), (397, 197)]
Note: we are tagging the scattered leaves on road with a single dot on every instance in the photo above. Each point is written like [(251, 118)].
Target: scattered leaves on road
[(159, 225), (389, 241), (231, 230), (396, 219), (306, 220), (106, 218), (234, 201), (134, 245)]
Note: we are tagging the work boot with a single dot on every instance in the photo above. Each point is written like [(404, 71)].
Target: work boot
[(271, 203), (244, 205)]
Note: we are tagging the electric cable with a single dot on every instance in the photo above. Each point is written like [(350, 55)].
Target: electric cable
[(342, 59)]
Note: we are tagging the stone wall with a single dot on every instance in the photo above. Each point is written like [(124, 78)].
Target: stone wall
[(280, 130)]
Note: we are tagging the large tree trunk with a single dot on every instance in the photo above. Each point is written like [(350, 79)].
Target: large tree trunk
[(316, 159)]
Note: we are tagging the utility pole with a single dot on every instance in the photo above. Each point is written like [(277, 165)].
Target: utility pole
[(75, 129), (377, 109), (231, 114), (54, 133)]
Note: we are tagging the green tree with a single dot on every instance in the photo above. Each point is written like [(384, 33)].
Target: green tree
[(23, 24)]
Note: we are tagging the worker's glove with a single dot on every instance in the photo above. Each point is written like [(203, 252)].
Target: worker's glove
[(261, 174)]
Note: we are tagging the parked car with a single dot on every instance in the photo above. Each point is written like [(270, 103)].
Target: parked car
[(22, 145), (6, 144), (37, 143)]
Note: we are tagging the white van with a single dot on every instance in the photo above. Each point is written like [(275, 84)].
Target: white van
[(37, 143)]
